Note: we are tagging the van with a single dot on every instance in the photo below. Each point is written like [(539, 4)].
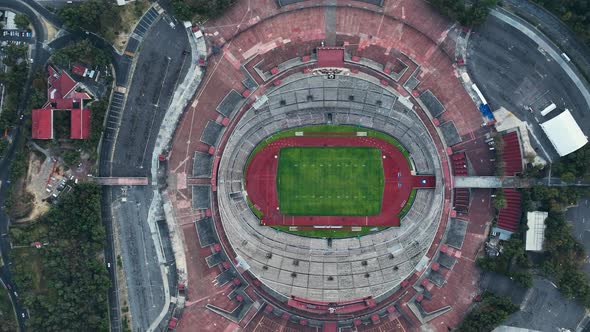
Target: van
[(565, 57)]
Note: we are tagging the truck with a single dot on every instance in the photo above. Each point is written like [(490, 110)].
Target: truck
[(548, 109)]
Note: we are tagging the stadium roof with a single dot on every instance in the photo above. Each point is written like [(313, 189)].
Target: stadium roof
[(42, 123), (79, 123), (564, 133), (536, 232)]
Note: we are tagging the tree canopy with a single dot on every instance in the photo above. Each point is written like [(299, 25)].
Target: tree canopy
[(473, 14), (96, 16), (76, 281), (186, 9), (574, 13), (488, 314)]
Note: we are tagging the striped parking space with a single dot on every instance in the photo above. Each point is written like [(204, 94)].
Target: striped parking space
[(114, 115)]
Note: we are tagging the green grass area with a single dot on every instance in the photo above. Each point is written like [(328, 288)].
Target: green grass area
[(331, 128), (330, 233), (330, 181), (28, 262), (408, 204)]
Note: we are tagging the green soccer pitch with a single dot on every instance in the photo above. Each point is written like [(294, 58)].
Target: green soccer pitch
[(330, 181)]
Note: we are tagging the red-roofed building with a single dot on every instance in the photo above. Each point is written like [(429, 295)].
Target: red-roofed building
[(509, 217), (79, 70), (511, 154), (80, 123), (62, 95), (331, 57), (60, 85), (42, 123)]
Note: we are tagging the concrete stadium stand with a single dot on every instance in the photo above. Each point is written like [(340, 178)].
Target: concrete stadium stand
[(359, 267)]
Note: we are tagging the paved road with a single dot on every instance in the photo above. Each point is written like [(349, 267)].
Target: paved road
[(542, 307), (551, 26), (38, 56), (159, 67), (513, 73), (579, 217)]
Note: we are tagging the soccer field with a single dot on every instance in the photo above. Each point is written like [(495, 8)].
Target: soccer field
[(330, 181)]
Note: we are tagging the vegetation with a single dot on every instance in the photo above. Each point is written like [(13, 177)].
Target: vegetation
[(82, 51), (39, 92), (512, 262), (499, 199), (473, 14), (187, 9), (329, 181), (14, 80), (556, 198), (68, 289), (574, 165), (98, 16), (98, 112), (488, 314), (21, 21), (563, 260), (330, 233), (573, 13), (408, 204), (332, 128), (7, 315)]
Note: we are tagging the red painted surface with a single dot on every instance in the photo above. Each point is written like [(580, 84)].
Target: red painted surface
[(262, 172), (42, 123), (79, 123), (330, 57)]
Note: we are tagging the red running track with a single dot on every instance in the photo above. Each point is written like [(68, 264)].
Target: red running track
[(262, 173)]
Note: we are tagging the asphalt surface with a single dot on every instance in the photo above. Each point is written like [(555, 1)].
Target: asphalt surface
[(157, 72), (38, 55), (579, 218), (551, 26), (514, 73), (160, 66), (542, 307)]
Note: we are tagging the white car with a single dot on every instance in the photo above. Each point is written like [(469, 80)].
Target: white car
[(23, 314)]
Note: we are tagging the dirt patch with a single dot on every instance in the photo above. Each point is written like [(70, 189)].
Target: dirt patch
[(51, 30), (31, 193), (130, 15)]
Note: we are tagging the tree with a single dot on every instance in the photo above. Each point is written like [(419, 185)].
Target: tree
[(71, 157), (96, 16), (488, 314), (500, 199), (568, 177), (21, 21)]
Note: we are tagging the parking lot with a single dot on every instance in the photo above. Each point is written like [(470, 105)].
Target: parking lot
[(515, 73), (17, 37)]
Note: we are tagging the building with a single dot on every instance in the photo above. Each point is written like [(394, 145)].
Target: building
[(535, 235), (564, 133), (62, 95)]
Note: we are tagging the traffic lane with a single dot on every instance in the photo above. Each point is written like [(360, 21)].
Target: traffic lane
[(513, 73), (579, 218), (109, 253), (161, 65), (142, 270), (512, 62)]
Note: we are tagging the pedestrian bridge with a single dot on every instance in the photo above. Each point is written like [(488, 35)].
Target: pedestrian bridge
[(121, 181), (490, 182)]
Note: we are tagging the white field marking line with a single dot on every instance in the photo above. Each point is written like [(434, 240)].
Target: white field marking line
[(203, 89)]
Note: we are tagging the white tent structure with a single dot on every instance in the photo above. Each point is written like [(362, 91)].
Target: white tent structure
[(535, 235), (564, 133)]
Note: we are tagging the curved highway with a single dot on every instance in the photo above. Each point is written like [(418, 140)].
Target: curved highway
[(40, 56)]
